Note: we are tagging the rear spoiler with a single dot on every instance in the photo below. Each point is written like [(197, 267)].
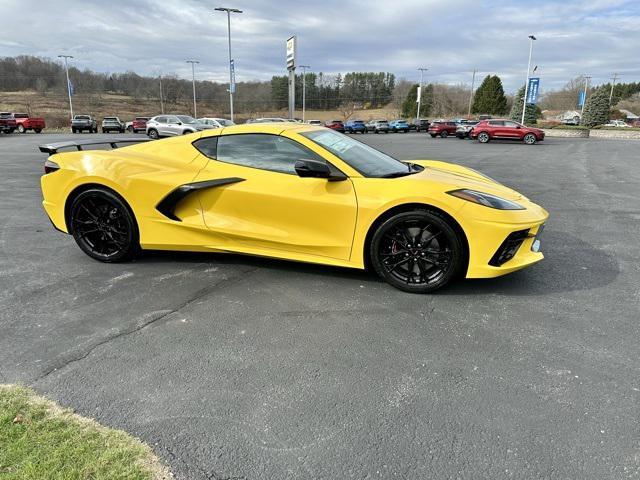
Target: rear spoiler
[(52, 148)]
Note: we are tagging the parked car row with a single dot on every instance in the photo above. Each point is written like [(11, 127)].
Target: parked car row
[(22, 122)]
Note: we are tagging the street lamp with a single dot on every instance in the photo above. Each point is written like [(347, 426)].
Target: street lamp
[(422, 70), (304, 84), (193, 82), (232, 86), (66, 69), (526, 85)]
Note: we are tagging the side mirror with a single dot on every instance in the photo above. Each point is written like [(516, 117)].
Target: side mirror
[(307, 168), (519, 126), (178, 123)]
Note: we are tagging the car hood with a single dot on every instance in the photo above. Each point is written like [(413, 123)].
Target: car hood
[(452, 177)]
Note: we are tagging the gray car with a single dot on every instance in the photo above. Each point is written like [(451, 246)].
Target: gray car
[(112, 124), (172, 125)]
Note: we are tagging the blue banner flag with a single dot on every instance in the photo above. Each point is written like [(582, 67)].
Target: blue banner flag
[(232, 68), (72, 91), (532, 91), (581, 98)]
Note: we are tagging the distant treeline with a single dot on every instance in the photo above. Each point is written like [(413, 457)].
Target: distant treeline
[(322, 90)]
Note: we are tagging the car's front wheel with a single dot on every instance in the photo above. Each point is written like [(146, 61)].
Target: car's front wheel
[(417, 251), (103, 226), (21, 128), (483, 137), (529, 139), (444, 134), (153, 134)]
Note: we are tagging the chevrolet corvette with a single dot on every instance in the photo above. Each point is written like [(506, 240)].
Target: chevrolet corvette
[(291, 191)]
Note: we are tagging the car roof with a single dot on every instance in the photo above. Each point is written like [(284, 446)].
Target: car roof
[(274, 128)]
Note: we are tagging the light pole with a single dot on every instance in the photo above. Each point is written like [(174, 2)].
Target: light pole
[(193, 82), (304, 84), (586, 86), (161, 97), (613, 84), (526, 85), (66, 69), (473, 82), (232, 85), (422, 70)]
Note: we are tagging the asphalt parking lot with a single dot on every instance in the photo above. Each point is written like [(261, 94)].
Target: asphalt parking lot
[(240, 367)]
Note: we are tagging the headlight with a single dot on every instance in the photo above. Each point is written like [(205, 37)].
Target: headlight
[(486, 199)]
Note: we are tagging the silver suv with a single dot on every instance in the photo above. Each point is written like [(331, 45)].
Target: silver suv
[(172, 125)]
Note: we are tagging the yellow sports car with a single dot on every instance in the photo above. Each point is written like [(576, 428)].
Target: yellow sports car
[(291, 191)]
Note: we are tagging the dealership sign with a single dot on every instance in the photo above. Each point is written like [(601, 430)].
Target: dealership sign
[(532, 90), (291, 52)]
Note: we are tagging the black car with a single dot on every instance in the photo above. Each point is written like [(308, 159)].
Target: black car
[(419, 125)]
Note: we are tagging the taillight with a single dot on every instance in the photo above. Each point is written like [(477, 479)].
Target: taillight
[(50, 166)]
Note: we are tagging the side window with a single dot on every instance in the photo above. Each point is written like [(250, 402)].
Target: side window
[(510, 124), (496, 123), (161, 119), (266, 152), (207, 146)]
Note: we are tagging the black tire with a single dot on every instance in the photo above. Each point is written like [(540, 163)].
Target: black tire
[(38, 130), (529, 139), (21, 128), (417, 251), (433, 135), (483, 137), (103, 226), (130, 129), (73, 130), (105, 131), (444, 134), (461, 136), (153, 134)]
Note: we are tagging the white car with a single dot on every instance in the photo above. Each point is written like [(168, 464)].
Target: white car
[(315, 122), (171, 125), (617, 123), (216, 122)]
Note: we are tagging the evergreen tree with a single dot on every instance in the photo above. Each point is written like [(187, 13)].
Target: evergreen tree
[(410, 104), (489, 97), (532, 113), (596, 110)]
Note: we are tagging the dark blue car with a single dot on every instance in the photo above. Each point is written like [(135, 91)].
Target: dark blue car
[(398, 126), (355, 126)]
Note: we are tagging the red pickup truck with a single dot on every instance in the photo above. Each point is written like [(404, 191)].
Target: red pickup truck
[(7, 123), (25, 122)]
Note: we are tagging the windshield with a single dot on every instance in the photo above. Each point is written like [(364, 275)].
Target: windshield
[(366, 160), (186, 119), (225, 122), (82, 117)]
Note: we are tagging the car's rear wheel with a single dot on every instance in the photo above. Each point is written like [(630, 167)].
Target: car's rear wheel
[(103, 226), (21, 128), (153, 134), (38, 130), (130, 129), (444, 134), (433, 135), (529, 139), (73, 130), (417, 251), (483, 137)]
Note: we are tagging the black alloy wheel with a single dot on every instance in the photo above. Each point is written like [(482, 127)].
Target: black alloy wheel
[(417, 251), (103, 226)]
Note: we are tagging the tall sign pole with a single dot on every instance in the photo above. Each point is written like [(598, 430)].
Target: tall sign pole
[(161, 97), (613, 83), (232, 81), (66, 69), (526, 85), (291, 66), (304, 88), (193, 83), (422, 70)]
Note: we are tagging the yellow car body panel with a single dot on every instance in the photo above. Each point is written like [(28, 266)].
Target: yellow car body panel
[(282, 215)]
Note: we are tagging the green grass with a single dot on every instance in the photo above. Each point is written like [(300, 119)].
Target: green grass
[(40, 440)]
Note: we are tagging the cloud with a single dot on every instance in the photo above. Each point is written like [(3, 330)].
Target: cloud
[(597, 37)]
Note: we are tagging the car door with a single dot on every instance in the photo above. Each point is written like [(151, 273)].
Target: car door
[(262, 206), (173, 126), (497, 128), (512, 129)]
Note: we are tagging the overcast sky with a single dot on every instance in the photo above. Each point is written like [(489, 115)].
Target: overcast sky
[(450, 38)]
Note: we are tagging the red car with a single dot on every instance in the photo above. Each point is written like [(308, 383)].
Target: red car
[(335, 125), (24, 122), (139, 124), (444, 129), (487, 130)]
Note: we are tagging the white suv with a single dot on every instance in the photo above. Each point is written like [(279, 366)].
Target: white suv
[(172, 125)]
